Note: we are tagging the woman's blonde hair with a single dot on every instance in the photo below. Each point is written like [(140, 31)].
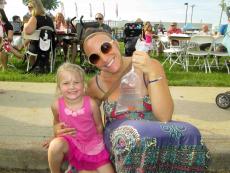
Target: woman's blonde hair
[(38, 8), (73, 68)]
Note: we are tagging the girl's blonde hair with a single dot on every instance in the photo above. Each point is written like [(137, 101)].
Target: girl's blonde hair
[(62, 16), (147, 25), (74, 68), (38, 8)]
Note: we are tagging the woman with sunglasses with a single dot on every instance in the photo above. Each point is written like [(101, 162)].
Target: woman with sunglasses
[(140, 141)]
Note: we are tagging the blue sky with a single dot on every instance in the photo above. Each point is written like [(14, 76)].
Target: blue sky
[(205, 11)]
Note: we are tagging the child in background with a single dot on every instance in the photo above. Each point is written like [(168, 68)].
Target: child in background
[(61, 27), (148, 36), (146, 41), (60, 23), (85, 150)]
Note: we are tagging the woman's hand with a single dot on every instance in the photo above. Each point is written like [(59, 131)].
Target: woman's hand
[(61, 129), (142, 61)]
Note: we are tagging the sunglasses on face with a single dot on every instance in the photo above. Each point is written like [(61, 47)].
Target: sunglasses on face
[(106, 47), (99, 18)]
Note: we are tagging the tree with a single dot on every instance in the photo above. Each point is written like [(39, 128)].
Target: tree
[(48, 4), (223, 6)]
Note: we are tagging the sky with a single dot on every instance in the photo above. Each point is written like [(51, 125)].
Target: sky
[(204, 11)]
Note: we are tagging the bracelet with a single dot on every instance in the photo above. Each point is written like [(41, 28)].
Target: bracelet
[(155, 80)]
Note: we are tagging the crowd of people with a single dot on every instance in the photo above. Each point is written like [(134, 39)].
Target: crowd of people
[(15, 44), (139, 134)]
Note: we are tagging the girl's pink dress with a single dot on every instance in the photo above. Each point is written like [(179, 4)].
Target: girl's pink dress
[(148, 42), (86, 150), (148, 38)]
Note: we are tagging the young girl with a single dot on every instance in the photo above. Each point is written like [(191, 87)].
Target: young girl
[(145, 43), (148, 36), (60, 23), (85, 150)]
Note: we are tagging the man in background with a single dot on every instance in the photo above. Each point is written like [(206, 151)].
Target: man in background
[(100, 19), (205, 31), (174, 30)]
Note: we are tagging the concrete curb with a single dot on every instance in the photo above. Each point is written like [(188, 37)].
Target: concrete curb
[(26, 121)]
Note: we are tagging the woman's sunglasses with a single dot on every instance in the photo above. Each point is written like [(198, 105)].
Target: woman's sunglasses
[(106, 47)]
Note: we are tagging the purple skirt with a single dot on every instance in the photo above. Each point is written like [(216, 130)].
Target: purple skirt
[(153, 146)]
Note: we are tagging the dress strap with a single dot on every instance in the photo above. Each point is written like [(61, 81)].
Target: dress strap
[(146, 84), (61, 106), (96, 78), (86, 103)]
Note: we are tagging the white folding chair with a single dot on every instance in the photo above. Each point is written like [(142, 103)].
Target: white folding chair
[(171, 51), (33, 36), (194, 51), (217, 54)]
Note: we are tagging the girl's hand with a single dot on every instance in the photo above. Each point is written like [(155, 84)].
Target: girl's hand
[(142, 61), (61, 129)]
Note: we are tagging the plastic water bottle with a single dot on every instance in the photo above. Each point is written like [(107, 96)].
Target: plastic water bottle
[(130, 93)]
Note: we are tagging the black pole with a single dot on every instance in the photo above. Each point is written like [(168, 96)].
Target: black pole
[(186, 14)]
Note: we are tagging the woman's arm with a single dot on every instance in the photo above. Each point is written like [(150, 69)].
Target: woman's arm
[(97, 116), (30, 26), (162, 103)]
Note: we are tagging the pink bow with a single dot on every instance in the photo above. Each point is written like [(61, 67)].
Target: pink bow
[(74, 113)]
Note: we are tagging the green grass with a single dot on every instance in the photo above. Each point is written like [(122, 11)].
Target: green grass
[(176, 77)]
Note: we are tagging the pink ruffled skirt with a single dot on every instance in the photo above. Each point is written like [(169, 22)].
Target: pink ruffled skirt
[(83, 161)]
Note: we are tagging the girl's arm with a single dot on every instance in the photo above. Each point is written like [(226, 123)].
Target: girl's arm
[(97, 116), (54, 108)]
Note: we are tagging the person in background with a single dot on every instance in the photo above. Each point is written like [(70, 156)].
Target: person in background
[(222, 31), (174, 30), (60, 23), (17, 24), (100, 19), (9, 46), (86, 150), (145, 25), (205, 31), (6, 36), (61, 27), (36, 21), (144, 139), (29, 13), (147, 35)]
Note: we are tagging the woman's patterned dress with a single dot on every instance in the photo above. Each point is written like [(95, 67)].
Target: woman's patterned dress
[(138, 143)]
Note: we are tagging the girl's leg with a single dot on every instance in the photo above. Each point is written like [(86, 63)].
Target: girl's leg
[(3, 59), (107, 168), (57, 149), (84, 171)]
